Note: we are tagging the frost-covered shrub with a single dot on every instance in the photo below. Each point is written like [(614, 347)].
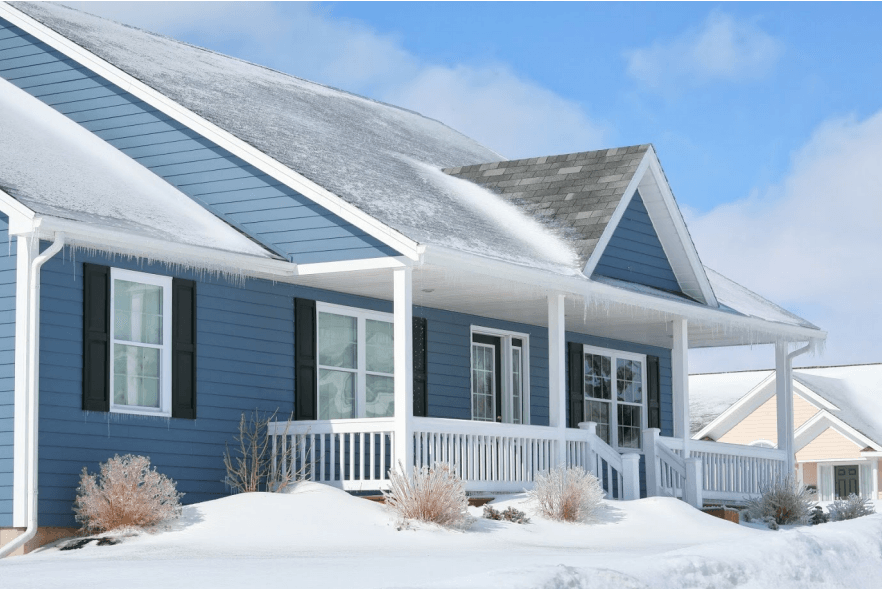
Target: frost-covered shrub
[(567, 494), (435, 495), (783, 499), (510, 514), (850, 508), (250, 465), (126, 493), (818, 516)]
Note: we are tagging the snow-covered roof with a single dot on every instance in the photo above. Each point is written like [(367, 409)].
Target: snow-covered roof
[(57, 168), (734, 297), (855, 391)]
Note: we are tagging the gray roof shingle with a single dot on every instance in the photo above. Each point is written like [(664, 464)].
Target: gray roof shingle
[(574, 193)]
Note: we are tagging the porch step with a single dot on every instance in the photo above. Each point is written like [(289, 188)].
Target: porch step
[(473, 501)]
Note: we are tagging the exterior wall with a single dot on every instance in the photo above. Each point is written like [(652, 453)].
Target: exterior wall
[(635, 253), (829, 445), (239, 193), (762, 424), (7, 368), (810, 473)]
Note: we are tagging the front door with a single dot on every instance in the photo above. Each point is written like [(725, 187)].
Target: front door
[(847, 481)]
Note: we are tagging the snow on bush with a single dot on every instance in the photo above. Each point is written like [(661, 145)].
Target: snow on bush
[(435, 495), (567, 494), (510, 515), (818, 516), (126, 493), (850, 508), (783, 500)]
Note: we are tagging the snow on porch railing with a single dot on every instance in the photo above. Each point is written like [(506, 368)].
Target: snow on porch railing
[(732, 472), (665, 470), (352, 454), (492, 457), (619, 474)]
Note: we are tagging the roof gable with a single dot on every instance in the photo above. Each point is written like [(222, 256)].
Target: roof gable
[(634, 252)]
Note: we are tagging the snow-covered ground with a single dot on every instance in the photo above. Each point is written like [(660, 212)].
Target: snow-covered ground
[(321, 537)]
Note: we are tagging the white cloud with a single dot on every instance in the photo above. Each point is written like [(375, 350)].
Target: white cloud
[(722, 49), (813, 243), (490, 103)]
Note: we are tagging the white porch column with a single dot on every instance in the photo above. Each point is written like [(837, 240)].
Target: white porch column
[(874, 485), (680, 381), (402, 296), (784, 399), (557, 377)]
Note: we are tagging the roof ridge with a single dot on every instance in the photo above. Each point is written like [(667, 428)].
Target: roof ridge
[(529, 161)]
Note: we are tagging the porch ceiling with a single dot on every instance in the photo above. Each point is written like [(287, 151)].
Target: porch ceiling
[(474, 293)]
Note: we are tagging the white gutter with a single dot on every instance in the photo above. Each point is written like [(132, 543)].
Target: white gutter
[(33, 394)]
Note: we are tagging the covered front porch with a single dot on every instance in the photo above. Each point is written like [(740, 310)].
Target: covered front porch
[(634, 435)]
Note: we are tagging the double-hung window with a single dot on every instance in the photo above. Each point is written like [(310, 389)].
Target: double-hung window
[(140, 339), (615, 395), (499, 376), (355, 363)]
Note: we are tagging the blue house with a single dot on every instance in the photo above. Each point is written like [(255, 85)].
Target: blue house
[(191, 237)]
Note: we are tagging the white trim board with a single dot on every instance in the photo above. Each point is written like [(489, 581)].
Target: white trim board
[(669, 225), (225, 139), (821, 422)]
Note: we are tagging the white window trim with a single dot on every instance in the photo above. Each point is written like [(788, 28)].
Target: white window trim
[(165, 368), (507, 385), (361, 372), (614, 402)]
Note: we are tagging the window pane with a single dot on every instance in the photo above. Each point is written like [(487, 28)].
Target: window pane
[(135, 376), (629, 376), (379, 396), (337, 340), (598, 412), (516, 387), (482, 383), (336, 394), (137, 312), (598, 381), (378, 346), (629, 426)]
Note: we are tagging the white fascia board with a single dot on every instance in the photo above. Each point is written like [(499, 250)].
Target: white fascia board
[(11, 207), (617, 215), (823, 420), (113, 241), (584, 287), (813, 397), (739, 410), (353, 265), (225, 139)]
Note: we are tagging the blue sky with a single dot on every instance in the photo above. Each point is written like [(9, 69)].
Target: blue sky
[(767, 117)]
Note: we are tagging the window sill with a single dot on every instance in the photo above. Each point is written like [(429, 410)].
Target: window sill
[(142, 412)]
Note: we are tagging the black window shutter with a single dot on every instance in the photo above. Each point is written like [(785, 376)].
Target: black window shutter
[(653, 392), (183, 348), (305, 361), (96, 338), (575, 384), (420, 368)]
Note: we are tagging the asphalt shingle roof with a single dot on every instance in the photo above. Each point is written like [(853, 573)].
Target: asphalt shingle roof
[(575, 192)]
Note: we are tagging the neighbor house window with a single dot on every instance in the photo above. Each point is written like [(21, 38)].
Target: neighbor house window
[(499, 376), (615, 395), (140, 367), (356, 365)]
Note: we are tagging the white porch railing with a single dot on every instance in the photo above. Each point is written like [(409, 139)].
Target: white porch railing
[(356, 454), (731, 472)]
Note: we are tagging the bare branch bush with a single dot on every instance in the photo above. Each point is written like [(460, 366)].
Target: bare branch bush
[(126, 493), (567, 494), (253, 464), (782, 499), (852, 507), (435, 495)]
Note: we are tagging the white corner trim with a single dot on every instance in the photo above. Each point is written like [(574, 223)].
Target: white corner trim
[(736, 412), (617, 215), (821, 422), (225, 139), (352, 265)]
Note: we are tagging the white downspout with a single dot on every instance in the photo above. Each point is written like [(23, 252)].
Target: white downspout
[(33, 393)]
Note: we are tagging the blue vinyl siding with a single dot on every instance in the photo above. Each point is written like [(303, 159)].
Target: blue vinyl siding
[(260, 206), (634, 253), (7, 368)]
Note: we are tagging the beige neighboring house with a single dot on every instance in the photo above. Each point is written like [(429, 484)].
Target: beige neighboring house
[(837, 414)]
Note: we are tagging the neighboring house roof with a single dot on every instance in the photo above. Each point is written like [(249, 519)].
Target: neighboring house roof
[(851, 394), (55, 167)]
